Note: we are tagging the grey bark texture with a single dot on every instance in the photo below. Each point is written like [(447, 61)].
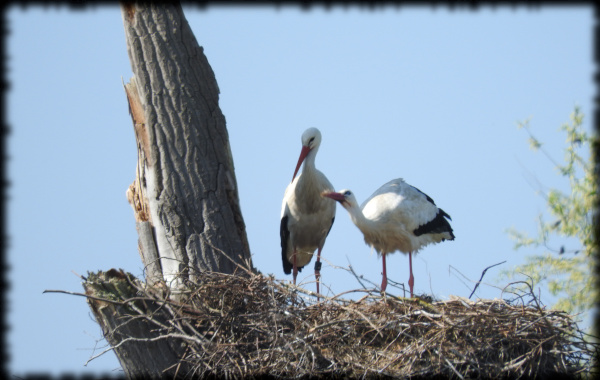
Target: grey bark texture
[(185, 170), (185, 197), (132, 326), (148, 253)]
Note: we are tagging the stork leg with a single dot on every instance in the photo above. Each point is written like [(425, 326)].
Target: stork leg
[(295, 270), (318, 269), (411, 279), (384, 280)]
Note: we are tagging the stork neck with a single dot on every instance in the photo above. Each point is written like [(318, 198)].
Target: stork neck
[(359, 219), (309, 162), (308, 181)]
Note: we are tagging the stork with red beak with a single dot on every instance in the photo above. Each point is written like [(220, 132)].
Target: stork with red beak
[(397, 217), (306, 217)]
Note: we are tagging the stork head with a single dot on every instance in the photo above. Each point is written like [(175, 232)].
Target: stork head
[(345, 197), (311, 139)]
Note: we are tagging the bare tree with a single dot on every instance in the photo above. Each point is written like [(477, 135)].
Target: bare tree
[(184, 196), (185, 184)]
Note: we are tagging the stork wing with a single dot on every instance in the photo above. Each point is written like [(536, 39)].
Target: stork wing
[(285, 237)]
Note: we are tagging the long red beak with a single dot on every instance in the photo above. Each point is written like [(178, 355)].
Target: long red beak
[(303, 153), (335, 196)]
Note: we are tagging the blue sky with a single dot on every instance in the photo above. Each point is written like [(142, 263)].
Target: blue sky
[(426, 94)]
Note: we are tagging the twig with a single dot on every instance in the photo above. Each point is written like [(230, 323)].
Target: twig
[(450, 267), (130, 339), (78, 275), (354, 273), (454, 369), (84, 295), (244, 326), (481, 278)]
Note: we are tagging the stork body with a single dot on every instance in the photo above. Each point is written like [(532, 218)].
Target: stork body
[(397, 217), (306, 217)]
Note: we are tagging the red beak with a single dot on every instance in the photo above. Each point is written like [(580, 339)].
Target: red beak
[(303, 153), (335, 196)]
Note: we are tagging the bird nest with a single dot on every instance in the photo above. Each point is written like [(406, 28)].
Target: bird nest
[(254, 325)]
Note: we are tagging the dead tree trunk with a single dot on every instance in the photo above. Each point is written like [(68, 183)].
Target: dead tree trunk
[(184, 196), (185, 184)]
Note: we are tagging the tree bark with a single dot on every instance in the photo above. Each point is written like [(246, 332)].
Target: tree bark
[(136, 328), (185, 197), (185, 184)]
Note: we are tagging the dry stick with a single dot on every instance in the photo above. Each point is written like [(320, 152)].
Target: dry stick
[(355, 275), (454, 369), (123, 302), (396, 284), (481, 278), (450, 268), (335, 297), (88, 296), (327, 325), (130, 339), (247, 270), (532, 292), (78, 275)]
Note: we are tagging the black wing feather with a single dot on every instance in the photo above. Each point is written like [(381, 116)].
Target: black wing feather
[(285, 237), (429, 199), (332, 220), (437, 225)]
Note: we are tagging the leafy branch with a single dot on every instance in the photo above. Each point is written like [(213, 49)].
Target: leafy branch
[(565, 271)]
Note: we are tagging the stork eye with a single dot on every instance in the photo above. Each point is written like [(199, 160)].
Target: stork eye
[(311, 140), (347, 193)]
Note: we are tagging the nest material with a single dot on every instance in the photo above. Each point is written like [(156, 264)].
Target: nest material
[(247, 326)]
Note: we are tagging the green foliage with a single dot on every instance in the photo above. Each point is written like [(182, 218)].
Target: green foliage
[(567, 273)]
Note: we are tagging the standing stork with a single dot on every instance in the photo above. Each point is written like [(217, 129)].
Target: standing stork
[(397, 217), (306, 217)]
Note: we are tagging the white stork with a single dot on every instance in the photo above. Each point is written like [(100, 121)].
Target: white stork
[(399, 217), (306, 217)]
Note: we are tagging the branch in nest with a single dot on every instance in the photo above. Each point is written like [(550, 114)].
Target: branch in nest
[(248, 326)]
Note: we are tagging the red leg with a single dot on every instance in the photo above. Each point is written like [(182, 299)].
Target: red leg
[(295, 270), (411, 279), (384, 280)]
